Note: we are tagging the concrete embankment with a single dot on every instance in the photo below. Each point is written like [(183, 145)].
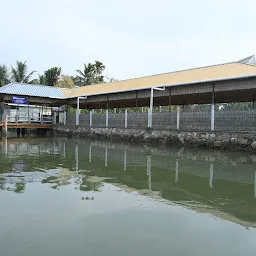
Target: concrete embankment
[(220, 140)]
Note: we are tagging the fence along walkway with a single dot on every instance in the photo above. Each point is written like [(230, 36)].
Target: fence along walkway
[(184, 120)]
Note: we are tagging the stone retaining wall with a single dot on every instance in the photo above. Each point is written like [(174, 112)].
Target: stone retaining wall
[(225, 141)]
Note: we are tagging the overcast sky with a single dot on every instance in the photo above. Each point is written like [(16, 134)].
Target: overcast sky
[(131, 37)]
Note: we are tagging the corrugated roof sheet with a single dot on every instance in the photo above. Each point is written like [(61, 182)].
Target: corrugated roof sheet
[(210, 73), (32, 90)]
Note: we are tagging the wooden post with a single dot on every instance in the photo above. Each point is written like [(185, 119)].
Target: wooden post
[(178, 117), (125, 118)]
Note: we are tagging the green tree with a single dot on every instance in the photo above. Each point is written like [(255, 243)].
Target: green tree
[(4, 75), (92, 74), (51, 76), (99, 69), (20, 73), (65, 82)]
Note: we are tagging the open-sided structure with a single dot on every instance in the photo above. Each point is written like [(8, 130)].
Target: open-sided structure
[(223, 83)]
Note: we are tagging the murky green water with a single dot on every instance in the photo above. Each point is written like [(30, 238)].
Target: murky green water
[(77, 197)]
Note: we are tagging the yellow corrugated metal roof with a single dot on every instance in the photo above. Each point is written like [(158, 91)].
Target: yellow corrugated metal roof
[(223, 71)]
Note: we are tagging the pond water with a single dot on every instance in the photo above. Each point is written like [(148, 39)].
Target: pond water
[(83, 197)]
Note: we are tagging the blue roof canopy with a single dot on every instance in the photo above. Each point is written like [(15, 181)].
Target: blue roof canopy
[(32, 90)]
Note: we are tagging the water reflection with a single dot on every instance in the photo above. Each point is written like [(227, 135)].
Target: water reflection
[(206, 181)]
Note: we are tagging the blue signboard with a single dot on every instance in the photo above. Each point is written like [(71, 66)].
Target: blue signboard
[(19, 100)]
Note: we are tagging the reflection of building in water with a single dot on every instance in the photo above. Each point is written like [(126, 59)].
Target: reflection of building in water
[(205, 183), (28, 147)]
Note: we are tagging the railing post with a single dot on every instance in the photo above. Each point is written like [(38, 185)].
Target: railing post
[(178, 117), (65, 118), (212, 110), (106, 118), (150, 110), (125, 118), (77, 117), (212, 117), (91, 111)]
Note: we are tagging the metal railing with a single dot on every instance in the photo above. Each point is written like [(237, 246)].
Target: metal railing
[(185, 120)]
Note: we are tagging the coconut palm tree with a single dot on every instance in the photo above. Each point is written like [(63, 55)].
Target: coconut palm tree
[(99, 68), (92, 74), (87, 76), (4, 75), (20, 73)]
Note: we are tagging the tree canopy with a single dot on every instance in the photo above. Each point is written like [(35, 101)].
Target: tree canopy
[(65, 82), (91, 74), (20, 73), (4, 75)]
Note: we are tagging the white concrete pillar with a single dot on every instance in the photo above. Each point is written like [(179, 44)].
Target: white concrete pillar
[(211, 175), (77, 117), (149, 172), (178, 117), (150, 110), (212, 117), (177, 171), (54, 117), (106, 118), (77, 111), (114, 110), (125, 118), (91, 112)]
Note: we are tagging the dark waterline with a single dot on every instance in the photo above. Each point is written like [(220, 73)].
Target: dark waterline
[(79, 197)]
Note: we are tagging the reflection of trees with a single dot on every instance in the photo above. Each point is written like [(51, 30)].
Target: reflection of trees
[(19, 187), (86, 185)]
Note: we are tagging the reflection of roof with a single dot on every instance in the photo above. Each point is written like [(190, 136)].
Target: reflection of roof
[(233, 70), (33, 90)]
